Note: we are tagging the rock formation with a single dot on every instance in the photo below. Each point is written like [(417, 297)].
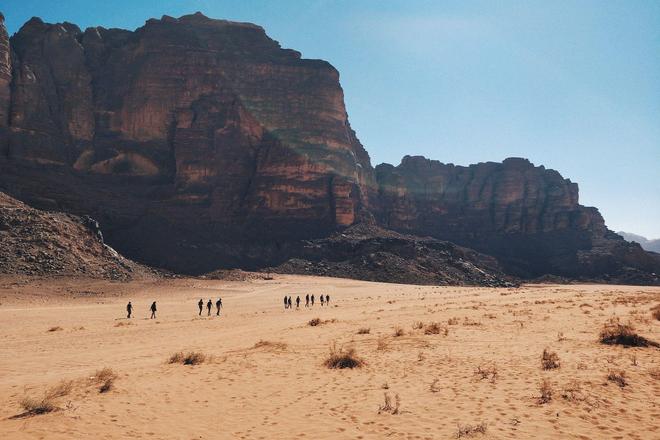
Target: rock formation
[(34, 242), (201, 144)]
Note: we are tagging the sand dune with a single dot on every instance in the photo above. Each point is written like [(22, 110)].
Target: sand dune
[(485, 371)]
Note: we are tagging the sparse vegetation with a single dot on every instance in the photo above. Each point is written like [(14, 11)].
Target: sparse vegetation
[(488, 372), (314, 322), (57, 328), (549, 360), (546, 392), (364, 331), (418, 325), (190, 358), (105, 378), (435, 328), (33, 406), (452, 321), (270, 345), (340, 358), (388, 407), (614, 332), (618, 377), (471, 430), (60, 390), (382, 344), (398, 331)]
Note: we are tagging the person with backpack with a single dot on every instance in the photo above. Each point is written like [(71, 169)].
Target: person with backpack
[(307, 300), (218, 305), (209, 305), (129, 309), (200, 304)]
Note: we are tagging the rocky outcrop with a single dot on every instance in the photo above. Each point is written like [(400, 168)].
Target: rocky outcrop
[(34, 242), (367, 252), (526, 216), (201, 144)]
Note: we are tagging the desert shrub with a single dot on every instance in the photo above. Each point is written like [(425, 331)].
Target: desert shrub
[(398, 331), (270, 344), (435, 328), (364, 331), (314, 322), (190, 358), (452, 321), (105, 379), (655, 312), (388, 407), (33, 406), (546, 392), (60, 390), (57, 328), (549, 360), (618, 377), (340, 358), (470, 430), (614, 332), (488, 372)]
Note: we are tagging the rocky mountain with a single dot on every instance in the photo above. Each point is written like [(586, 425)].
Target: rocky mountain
[(645, 243), (201, 144), (34, 242)]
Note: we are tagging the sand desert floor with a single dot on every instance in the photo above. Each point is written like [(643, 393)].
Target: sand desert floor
[(484, 371)]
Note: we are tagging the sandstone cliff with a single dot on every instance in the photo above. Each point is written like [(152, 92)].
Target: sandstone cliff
[(200, 144)]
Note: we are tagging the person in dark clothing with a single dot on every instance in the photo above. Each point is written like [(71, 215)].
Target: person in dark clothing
[(289, 303), (153, 310), (129, 309), (307, 300), (322, 299), (297, 302), (327, 300), (200, 304), (209, 305), (218, 305), (286, 302), (312, 298)]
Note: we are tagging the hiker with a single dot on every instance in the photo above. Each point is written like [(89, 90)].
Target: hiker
[(208, 307), (129, 309), (153, 310), (286, 302), (289, 303), (321, 300), (218, 305), (200, 304), (307, 300), (312, 298), (327, 300), (297, 302)]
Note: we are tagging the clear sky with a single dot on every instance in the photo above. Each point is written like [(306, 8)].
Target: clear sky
[(573, 85)]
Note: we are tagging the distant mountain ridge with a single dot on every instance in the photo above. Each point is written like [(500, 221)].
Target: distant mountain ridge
[(648, 245)]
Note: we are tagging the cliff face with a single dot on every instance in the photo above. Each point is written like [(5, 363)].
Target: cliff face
[(527, 216), (193, 124), (201, 143)]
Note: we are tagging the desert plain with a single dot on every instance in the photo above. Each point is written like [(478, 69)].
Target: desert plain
[(439, 362)]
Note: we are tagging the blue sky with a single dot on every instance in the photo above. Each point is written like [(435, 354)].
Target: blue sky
[(572, 85)]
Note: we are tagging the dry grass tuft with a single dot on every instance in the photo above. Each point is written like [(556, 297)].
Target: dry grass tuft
[(382, 344), (618, 377), (60, 390), (435, 328), (57, 328), (105, 378), (34, 407), (190, 358), (398, 331), (488, 372), (452, 321), (471, 430), (388, 407), (270, 345), (418, 325), (549, 360), (364, 331), (546, 392), (614, 332), (340, 358), (314, 322)]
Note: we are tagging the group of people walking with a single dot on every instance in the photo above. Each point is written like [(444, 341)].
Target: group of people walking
[(309, 301), (153, 308), (209, 306), (129, 310)]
